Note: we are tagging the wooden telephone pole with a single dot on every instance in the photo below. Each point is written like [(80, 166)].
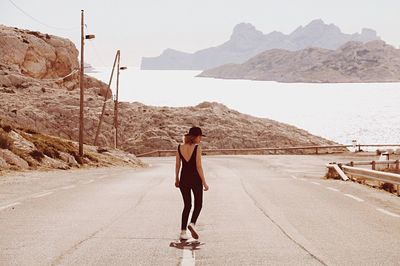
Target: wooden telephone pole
[(105, 100), (115, 122), (81, 89), (116, 103), (81, 82)]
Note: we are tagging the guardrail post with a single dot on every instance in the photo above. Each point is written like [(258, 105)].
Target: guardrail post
[(316, 150), (159, 153), (352, 164), (397, 165), (359, 148), (373, 165)]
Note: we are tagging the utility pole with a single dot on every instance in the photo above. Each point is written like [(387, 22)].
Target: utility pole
[(105, 100), (81, 90), (116, 62), (116, 104)]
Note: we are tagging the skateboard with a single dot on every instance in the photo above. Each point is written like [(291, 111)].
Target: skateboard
[(191, 243)]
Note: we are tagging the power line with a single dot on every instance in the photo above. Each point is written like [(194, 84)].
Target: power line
[(38, 21), (99, 55)]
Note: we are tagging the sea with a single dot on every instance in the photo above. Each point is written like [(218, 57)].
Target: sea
[(368, 113)]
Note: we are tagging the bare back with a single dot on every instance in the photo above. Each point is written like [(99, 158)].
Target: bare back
[(187, 151)]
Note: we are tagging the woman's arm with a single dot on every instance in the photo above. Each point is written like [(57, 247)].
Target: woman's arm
[(177, 168), (200, 168)]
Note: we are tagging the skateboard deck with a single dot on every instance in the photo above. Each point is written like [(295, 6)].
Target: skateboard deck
[(186, 244)]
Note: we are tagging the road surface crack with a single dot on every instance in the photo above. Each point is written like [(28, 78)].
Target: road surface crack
[(277, 225), (72, 249)]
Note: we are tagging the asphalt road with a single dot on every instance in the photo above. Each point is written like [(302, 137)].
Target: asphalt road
[(260, 210)]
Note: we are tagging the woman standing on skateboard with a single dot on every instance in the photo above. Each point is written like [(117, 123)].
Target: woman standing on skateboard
[(191, 179)]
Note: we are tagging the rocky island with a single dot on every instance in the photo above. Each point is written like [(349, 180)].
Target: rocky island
[(374, 61), (246, 41)]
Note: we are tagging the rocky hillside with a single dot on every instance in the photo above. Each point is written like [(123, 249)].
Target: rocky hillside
[(353, 62), (52, 107), (144, 128), (149, 128), (246, 41)]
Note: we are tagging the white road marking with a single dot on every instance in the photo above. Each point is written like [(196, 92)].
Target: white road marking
[(43, 194), (303, 179), (294, 177), (315, 183), (88, 182), (388, 212), (354, 197), (9, 205), (333, 189), (101, 177), (188, 257), (68, 187)]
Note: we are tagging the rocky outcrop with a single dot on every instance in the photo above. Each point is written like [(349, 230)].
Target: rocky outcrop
[(30, 57), (353, 62), (246, 41), (37, 55)]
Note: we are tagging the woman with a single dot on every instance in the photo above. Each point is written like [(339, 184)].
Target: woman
[(191, 179)]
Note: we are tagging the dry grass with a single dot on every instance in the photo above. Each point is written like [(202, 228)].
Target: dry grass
[(50, 146)]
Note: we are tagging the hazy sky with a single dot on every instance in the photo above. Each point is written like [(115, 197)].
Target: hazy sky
[(146, 28)]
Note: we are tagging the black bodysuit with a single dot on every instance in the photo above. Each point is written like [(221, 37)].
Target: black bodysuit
[(189, 175), (190, 180)]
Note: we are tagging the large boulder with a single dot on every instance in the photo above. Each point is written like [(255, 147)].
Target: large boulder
[(13, 159), (37, 55)]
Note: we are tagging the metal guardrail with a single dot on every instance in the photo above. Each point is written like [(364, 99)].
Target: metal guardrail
[(275, 150), (238, 151), (348, 170), (372, 174)]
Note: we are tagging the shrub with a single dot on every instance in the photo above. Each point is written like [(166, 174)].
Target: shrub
[(52, 153), (101, 150), (30, 131), (5, 141), (37, 155), (7, 128), (388, 187)]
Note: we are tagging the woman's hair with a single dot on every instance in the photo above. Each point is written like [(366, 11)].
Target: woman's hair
[(189, 139)]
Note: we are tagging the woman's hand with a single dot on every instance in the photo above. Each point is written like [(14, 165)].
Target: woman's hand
[(205, 187), (176, 182)]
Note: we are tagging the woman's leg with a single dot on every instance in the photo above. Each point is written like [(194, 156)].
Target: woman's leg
[(187, 201), (198, 202)]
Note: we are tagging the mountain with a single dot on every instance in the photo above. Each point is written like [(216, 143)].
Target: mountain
[(246, 41), (373, 61)]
